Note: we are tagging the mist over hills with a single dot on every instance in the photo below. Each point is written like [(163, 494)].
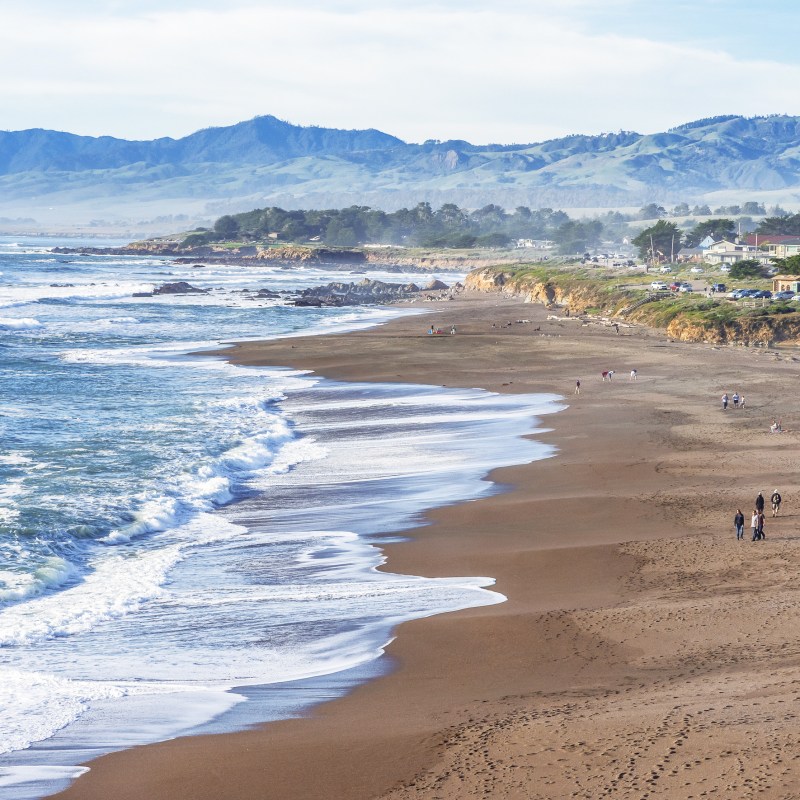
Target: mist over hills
[(265, 161)]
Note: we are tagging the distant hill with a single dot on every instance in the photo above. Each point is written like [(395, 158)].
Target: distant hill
[(266, 161)]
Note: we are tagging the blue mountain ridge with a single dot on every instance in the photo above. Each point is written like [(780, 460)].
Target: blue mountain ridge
[(267, 160)]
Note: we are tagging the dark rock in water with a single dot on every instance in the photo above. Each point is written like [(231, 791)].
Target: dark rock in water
[(142, 294), (267, 293), (314, 302), (180, 287), (61, 285), (363, 292)]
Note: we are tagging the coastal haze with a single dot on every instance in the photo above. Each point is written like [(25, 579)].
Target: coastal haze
[(54, 181)]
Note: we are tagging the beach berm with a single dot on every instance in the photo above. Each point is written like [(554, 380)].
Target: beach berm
[(643, 651)]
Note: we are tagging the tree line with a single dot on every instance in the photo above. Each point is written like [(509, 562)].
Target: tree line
[(421, 226)]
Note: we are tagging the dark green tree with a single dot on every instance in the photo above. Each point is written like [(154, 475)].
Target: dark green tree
[(659, 241), (717, 229), (226, 227), (652, 211), (786, 226), (788, 266), (747, 268)]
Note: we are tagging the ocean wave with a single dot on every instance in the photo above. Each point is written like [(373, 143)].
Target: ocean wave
[(209, 485), (19, 324), (36, 705), (117, 584)]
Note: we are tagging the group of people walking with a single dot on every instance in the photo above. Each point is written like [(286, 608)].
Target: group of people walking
[(737, 400), (757, 518)]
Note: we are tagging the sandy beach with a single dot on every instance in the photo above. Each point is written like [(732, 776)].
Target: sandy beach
[(643, 652)]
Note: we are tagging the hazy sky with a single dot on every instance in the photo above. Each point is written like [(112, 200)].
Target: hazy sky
[(500, 71)]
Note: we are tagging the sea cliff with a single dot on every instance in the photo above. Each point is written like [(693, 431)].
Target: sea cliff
[(687, 319)]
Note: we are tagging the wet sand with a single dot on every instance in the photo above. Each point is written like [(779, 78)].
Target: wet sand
[(642, 653)]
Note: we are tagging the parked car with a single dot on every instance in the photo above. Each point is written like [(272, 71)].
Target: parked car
[(665, 269), (719, 287), (674, 286), (696, 270), (740, 293), (725, 268), (786, 294), (659, 286), (764, 293), (686, 287)]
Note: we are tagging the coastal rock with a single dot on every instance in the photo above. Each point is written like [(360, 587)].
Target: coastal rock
[(364, 292), (179, 287)]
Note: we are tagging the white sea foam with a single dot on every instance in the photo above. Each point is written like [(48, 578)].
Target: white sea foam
[(19, 324), (117, 585)]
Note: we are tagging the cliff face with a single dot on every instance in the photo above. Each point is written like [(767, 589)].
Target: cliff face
[(762, 331), (579, 295), (576, 295)]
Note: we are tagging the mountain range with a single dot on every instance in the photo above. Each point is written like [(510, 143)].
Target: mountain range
[(265, 161)]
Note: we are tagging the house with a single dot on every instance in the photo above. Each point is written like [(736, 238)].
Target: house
[(693, 254), (727, 252), (777, 245), (784, 283)]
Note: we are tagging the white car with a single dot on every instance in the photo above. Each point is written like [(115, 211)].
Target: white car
[(696, 270), (659, 286), (724, 268), (665, 269)]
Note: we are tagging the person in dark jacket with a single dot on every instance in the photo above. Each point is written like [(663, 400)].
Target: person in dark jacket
[(760, 503), (738, 523)]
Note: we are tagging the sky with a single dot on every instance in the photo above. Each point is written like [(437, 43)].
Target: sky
[(505, 71)]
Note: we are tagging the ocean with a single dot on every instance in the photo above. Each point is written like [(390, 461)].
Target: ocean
[(191, 546)]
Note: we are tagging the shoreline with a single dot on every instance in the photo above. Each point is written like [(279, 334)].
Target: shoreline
[(506, 700)]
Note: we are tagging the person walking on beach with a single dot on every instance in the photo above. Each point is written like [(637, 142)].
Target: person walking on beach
[(760, 503), (754, 525), (741, 401), (577, 387), (735, 399), (633, 374), (776, 500), (725, 402), (761, 520), (738, 524)]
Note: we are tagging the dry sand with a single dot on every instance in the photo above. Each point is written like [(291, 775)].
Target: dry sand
[(643, 652)]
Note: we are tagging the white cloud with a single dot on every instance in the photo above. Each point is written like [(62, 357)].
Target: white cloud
[(520, 72)]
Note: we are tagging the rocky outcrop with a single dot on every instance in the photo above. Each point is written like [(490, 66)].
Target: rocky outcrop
[(179, 287), (364, 292)]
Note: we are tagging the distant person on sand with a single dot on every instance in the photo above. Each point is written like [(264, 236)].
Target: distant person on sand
[(776, 427), (760, 503), (577, 387), (735, 399), (754, 525), (725, 402), (761, 520), (741, 401), (776, 500), (452, 329), (738, 524), (616, 328), (430, 332), (634, 373)]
